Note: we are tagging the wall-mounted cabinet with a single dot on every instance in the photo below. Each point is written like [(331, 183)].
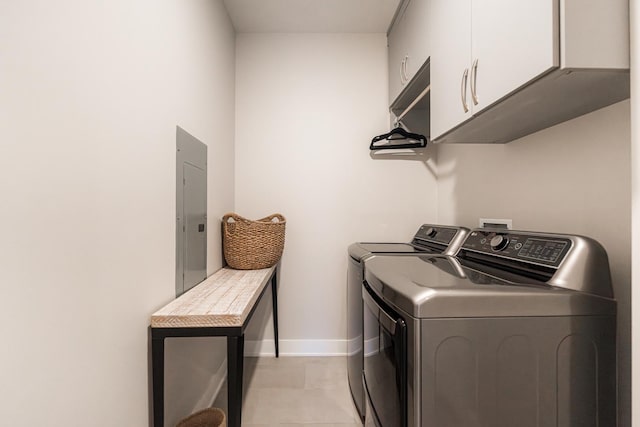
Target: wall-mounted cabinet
[(501, 69), (409, 44)]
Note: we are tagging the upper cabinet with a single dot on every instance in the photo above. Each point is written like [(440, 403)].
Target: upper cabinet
[(501, 69), (409, 44), (482, 50), (450, 63)]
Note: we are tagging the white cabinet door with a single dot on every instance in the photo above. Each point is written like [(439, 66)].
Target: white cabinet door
[(409, 44), (512, 43), (397, 48), (500, 45), (530, 64), (450, 26), (416, 20)]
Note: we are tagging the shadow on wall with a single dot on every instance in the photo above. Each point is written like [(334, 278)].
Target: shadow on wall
[(192, 358), (260, 327), (425, 155), (465, 172)]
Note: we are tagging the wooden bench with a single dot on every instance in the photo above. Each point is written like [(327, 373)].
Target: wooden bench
[(221, 305)]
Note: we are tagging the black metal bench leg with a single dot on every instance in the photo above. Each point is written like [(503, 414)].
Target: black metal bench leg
[(274, 292), (235, 362), (157, 366)]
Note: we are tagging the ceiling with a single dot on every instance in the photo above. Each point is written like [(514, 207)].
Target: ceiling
[(311, 16)]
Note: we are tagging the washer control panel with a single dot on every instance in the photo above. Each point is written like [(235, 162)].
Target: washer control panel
[(542, 249), (428, 234), (435, 233)]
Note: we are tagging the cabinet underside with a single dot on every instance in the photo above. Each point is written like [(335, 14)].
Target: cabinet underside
[(560, 95)]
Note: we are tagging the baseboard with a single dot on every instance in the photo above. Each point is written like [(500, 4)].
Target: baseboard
[(296, 348)]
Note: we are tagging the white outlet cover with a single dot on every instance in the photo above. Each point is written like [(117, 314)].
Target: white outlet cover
[(496, 223)]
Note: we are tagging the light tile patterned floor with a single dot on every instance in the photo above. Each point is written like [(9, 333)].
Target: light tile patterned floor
[(296, 391)]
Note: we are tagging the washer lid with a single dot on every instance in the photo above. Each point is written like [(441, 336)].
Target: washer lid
[(429, 239), (359, 251), (441, 287)]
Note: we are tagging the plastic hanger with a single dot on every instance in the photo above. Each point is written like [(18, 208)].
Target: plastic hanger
[(414, 140)]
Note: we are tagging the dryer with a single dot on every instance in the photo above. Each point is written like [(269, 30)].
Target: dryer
[(430, 239), (518, 329)]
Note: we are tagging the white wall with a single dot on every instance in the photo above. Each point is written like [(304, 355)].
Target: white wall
[(634, 14), (572, 178), (307, 106), (90, 96)]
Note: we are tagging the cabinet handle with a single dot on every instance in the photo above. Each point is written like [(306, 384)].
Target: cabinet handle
[(402, 70), (474, 86), (463, 90)]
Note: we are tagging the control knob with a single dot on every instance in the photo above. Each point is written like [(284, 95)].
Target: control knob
[(431, 232), (499, 242)]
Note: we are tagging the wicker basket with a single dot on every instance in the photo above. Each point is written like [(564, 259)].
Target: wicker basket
[(252, 245), (210, 417)]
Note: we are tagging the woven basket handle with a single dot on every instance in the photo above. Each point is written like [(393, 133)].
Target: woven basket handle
[(270, 218), (235, 217)]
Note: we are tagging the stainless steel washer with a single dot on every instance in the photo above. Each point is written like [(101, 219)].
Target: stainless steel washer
[(517, 330), (429, 239)]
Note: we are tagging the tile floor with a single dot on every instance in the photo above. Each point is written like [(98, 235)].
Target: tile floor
[(296, 391)]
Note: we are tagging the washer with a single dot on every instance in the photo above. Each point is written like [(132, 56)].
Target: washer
[(430, 239), (518, 329)]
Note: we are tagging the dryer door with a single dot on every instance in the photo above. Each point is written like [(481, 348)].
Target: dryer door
[(385, 361), (354, 333)]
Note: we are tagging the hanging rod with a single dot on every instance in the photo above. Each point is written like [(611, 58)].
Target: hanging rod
[(415, 101)]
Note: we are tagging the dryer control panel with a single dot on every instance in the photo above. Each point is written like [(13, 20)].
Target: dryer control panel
[(447, 239)]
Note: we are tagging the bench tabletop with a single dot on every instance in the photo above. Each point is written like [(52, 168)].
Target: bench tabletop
[(224, 299)]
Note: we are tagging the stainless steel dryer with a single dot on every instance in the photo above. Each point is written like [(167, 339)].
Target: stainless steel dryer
[(517, 330), (429, 239)]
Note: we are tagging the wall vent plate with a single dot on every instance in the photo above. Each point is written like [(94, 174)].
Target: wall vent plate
[(495, 223)]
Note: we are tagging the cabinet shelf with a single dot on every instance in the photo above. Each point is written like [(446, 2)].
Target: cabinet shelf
[(412, 105)]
